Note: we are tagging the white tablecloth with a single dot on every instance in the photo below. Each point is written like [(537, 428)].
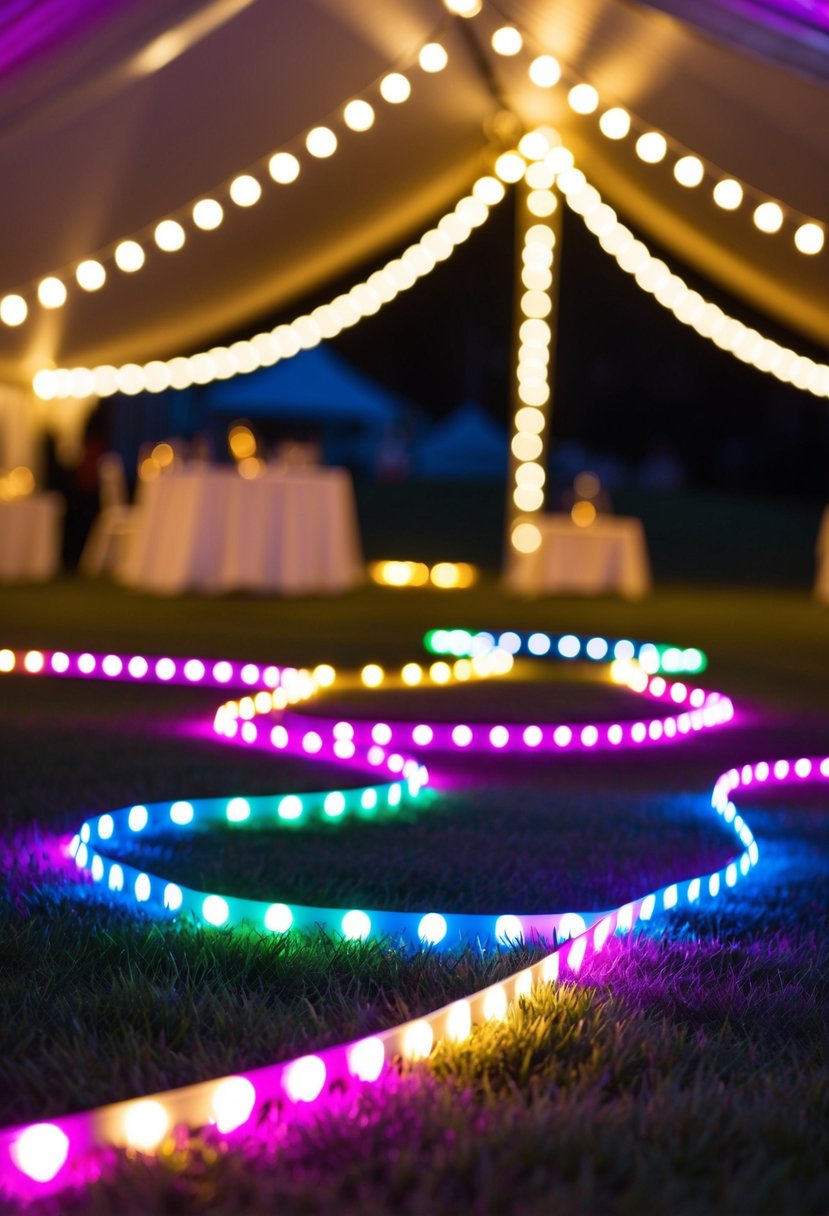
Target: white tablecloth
[(31, 532), (609, 557), (291, 532), (822, 560)]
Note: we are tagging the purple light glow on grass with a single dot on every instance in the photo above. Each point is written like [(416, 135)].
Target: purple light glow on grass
[(41, 1156)]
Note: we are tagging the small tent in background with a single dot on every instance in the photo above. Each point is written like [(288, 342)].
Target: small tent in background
[(467, 445), (315, 391)]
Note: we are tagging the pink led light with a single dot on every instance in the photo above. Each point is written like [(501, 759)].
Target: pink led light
[(589, 736), (312, 742), (138, 667), (422, 735), (499, 736), (533, 736), (86, 664), (60, 662), (249, 732), (461, 735), (802, 767), (562, 736), (194, 670), (381, 733), (249, 674), (343, 730)]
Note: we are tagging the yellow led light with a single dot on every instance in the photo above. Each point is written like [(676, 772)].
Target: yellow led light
[(728, 194), (583, 99), (283, 168), (145, 1124), (321, 142), (13, 310), (418, 1039), (583, 514), (507, 40), (541, 203), (615, 123), (689, 171), (245, 191), (651, 147), (809, 238), (525, 538), (768, 217), (545, 71), (372, 675), (358, 115), (411, 674), (90, 275), (208, 214), (463, 8), (169, 236), (440, 672), (395, 88), (488, 190), (528, 498), (530, 419), (51, 292), (129, 256), (510, 167), (432, 57)]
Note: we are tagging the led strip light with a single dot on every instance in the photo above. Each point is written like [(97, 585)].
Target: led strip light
[(39, 1156)]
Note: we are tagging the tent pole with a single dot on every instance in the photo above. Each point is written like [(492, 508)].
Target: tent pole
[(535, 315)]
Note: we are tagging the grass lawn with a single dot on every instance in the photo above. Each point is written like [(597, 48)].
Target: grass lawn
[(686, 1072)]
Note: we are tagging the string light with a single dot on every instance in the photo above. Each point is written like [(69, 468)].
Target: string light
[(244, 190), (688, 306), (285, 341), (36, 1156)]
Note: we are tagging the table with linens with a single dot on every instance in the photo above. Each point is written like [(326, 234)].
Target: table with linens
[(31, 538), (608, 557), (208, 530)]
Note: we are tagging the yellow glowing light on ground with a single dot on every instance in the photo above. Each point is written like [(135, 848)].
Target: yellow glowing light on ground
[(526, 538), (583, 514), (21, 482), (148, 469), (163, 454)]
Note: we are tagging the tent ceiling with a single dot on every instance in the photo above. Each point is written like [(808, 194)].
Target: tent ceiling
[(97, 141)]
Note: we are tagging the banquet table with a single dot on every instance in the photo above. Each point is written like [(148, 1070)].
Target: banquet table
[(609, 557), (208, 530), (822, 560), (31, 534)]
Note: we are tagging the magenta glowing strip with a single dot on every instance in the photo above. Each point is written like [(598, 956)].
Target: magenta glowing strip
[(142, 669), (38, 1157)]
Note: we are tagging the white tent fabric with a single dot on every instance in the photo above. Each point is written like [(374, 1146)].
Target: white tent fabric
[(101, 135)]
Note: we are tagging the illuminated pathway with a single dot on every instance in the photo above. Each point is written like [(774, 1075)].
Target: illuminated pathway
[(38, 1157)]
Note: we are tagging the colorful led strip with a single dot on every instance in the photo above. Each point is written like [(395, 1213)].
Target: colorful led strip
[(653, 657), (35, 1157)]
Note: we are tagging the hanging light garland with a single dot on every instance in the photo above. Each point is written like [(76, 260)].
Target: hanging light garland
[(671, 291), (41, 1156), (652, 147), (243, 190)]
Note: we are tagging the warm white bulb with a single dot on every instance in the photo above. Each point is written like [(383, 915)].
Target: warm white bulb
[(90, 275), (689, 171), (245, 190), (809, 238), (321, 142), (463, 8), (208, 214), (583, 99), (488, 190), (283, 168), (129, 256), (169, 236), (545, 71), (395, 88), (13, 310), (768, 217), (52, 292), (728, 194), (651, 147), (510, 167), (507, 40), (433, 57), (615, 123), (358, 115)]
